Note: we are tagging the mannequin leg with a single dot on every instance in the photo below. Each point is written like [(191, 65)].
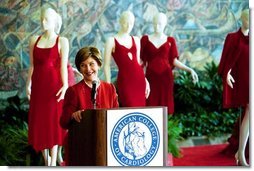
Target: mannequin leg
[(59, 155), (46, 157), (244, 135), (233, 140), (53, 153)]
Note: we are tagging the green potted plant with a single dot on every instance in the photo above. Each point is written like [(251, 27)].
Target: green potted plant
[(174, 131), (15, 150)]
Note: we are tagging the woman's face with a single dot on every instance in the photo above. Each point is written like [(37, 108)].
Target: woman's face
[(89, 69), (48, 20)]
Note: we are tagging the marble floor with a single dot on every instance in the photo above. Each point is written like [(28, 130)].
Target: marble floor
[(203, 140)]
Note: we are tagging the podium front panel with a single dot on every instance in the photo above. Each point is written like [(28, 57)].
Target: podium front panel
[(87, 139), (137, 136)]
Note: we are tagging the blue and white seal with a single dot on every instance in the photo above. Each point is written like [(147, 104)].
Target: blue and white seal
[(134, 140)]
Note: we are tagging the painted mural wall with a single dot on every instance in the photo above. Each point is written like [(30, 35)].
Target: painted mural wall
[(199, 27)]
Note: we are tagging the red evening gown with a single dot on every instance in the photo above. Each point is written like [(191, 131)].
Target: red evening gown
[(235, 56), (131, 78), (159, 74), (44, 130)]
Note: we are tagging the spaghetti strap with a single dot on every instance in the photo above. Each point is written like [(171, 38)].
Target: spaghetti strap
[(115, 41), (37, 41), (132, 41), (57, 39), (57, 42)]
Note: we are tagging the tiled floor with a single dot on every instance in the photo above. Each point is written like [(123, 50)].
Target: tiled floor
[(203, 140)]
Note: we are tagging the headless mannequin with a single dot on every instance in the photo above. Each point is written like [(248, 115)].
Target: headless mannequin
[(51, 23), (159, 37), (244, 127), (123, 37)]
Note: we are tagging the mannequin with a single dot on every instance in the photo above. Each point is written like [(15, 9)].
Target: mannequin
[(234, 69), (159, 55), (133, 88), (46, 86)]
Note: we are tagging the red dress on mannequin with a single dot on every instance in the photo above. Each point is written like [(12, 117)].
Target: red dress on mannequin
[(44, 130), (235, 56), (131, 78), (159, 71)]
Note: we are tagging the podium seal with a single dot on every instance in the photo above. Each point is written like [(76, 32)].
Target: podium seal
[(134, 140)]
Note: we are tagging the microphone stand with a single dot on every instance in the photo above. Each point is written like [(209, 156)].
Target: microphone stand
[(93, 93), (94, 103)]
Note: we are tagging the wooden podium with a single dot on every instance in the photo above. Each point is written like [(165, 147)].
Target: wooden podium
[(88, 139)]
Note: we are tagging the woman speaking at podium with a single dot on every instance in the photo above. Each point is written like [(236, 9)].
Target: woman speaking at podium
[(79, 97)]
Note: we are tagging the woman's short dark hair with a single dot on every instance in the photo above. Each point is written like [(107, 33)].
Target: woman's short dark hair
[(86, 52)]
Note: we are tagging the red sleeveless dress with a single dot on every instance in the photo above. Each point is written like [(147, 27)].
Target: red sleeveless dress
[(44, 130), (131, 78), (159, 71)]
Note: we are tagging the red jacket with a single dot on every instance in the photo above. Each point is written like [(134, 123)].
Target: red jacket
[(78, 97)]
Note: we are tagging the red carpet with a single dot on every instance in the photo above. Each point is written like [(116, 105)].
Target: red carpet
[(205, 155)]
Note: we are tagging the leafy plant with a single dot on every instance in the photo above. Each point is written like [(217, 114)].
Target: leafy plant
[(198, 107), (210, 124), (14, 148), (206, 95), (14, 111), (174, 131)]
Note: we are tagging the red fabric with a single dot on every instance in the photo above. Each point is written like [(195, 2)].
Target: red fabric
[(71, 76), (78, 97), (235, 56), (206, 155), (159, 62), (170, 160), (44, 130), (131, 78), (233, 140)]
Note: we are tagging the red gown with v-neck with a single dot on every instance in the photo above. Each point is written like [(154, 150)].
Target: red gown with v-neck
[(131, 78), (159, 62)]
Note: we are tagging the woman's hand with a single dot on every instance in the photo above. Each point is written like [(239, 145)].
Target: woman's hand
[(77, 115), (61, 92)]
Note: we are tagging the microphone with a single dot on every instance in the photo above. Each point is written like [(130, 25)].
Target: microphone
[(94, 92)]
